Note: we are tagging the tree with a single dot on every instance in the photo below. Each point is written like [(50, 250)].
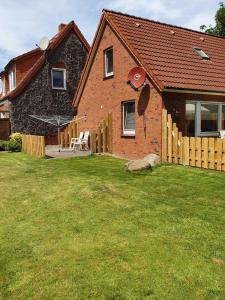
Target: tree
[(219, 28)]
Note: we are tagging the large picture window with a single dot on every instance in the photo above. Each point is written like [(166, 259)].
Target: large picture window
[(58, 78), (209, 117), (129, 118), (204, 118)]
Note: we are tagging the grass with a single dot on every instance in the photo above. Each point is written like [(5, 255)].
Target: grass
[(84, 228)]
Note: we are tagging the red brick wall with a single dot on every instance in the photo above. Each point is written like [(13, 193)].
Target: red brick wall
[(176, 102), (101, 96), (24, 65)]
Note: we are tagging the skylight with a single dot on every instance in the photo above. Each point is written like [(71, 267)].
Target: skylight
[(201, 53)]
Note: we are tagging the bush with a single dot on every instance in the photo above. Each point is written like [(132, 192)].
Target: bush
[(4, 145), (16, 137), (14, 146)]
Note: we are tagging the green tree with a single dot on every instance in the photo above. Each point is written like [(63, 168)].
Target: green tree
[(219, 28)]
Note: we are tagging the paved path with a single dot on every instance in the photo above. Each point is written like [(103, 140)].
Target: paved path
[(52, 151)]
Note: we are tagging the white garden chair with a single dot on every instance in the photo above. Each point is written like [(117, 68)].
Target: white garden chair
[(222, 134), (76, 141), (84, 142)]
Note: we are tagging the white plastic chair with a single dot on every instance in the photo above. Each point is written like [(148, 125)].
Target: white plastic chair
[(222, 134), (84, 142), (76, 141)]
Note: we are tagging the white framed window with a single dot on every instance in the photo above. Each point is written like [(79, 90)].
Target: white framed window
[(204, 118), (12, 80), (128, 118), (59, 78), (108, 53), (2, 86)]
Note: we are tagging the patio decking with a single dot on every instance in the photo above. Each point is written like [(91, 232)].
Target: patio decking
[(52, 152)]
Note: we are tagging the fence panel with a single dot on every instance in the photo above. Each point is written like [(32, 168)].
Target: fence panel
[(69, 132), (201, 152), (100, 140), (33, 145)]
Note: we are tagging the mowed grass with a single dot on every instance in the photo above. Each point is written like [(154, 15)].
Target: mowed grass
[(84, 228)]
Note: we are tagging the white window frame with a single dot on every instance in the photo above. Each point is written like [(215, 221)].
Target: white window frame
[(3, 87), (107, 74), (12, 80), (64, 78), (198, 104), (128, 132)]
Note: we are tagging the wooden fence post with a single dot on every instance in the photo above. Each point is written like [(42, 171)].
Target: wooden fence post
[(164, 135), (186, 154)]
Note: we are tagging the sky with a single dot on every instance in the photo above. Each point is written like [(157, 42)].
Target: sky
[(24, 22)]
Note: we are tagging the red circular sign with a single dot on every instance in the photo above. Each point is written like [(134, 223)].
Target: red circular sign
[(137, 77)]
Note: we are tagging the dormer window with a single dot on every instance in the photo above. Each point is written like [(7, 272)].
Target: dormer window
[(108, 53), (12, 80), (201, 53), (59, 78)]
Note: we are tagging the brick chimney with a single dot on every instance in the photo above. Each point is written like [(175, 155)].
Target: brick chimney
[(61, 26)]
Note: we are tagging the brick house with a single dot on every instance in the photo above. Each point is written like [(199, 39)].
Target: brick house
[(185, 74), (43, 82)]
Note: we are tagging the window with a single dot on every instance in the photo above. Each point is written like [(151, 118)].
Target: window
[(129, 118), (3, 86), (223, 117), (109, 62), (209, 117), (59, 78), (201, 53), (190, 119), (204, 118), (12, 80)]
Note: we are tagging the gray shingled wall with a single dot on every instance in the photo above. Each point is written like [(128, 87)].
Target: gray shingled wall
[(40, 99)]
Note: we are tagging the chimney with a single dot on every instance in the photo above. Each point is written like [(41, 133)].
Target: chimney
[(61, 26)]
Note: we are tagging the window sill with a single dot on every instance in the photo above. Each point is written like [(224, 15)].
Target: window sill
[(128, 135), (58, 88), (209, 134), (108, 77)]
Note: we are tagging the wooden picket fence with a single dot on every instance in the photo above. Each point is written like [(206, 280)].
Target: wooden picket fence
[(33, 145), (201, 152), (101, 139), (70, 131)]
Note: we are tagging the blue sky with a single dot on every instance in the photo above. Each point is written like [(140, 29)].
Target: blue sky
[(23, 22)]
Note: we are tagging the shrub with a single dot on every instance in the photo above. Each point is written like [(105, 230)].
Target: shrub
[(16, 136), (15, 142), (14, 146), (4, 145)]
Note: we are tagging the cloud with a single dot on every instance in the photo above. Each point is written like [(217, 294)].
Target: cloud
[(153, 8), (24, 22)]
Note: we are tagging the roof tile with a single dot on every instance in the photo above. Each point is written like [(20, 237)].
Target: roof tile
[(170, 56)]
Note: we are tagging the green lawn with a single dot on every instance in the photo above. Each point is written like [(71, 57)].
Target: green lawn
[(86, 229)]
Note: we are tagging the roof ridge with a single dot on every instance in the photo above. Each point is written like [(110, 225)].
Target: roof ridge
[(161, 23)]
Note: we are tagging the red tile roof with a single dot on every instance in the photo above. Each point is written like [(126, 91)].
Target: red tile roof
[(167, 52), (54, 43), (23, 56)]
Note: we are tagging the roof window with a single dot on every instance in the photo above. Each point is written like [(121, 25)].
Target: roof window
[(201, 53)]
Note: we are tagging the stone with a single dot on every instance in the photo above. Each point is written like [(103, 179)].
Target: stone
[(137, 165), (153, 159)]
